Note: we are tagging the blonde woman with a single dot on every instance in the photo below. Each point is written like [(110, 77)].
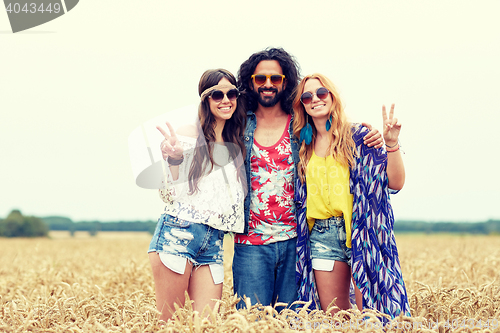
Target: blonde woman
[(343, 193)]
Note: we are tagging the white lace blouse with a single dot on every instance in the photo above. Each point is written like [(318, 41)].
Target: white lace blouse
[(219, 201)]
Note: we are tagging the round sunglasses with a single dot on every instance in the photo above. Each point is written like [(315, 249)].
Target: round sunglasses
[(307, 97), (217, 95), (261, 79)]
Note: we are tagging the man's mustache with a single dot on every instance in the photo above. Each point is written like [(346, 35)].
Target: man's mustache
[(261, 89)]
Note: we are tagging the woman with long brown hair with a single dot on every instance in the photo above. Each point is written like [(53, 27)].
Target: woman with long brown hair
[(204, 195)]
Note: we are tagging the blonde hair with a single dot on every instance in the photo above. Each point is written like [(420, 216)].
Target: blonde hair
[(342, 146)]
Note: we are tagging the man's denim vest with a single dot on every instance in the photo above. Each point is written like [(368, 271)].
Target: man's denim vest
[(248, 139)]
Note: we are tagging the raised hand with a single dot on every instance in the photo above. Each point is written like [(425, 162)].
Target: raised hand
[(391, 127), (171, 146)]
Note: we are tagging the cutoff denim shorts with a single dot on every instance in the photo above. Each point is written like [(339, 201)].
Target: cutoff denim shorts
[(328, 243), (176, 240)]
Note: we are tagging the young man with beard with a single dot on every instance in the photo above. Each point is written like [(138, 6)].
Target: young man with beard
[(264, 260)]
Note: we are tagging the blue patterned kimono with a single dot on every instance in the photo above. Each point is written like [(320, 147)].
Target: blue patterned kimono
[(375, 261)]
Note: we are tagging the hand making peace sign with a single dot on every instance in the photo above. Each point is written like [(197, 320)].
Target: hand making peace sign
[(171, 146), (391, 127)]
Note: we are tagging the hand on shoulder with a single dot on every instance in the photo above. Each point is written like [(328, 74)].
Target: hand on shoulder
[(373, 138)]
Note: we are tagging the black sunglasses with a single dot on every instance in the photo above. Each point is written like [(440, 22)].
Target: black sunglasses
[(307, 97), (217, 95)]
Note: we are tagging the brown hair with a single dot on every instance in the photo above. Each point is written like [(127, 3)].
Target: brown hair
[(232, 133)]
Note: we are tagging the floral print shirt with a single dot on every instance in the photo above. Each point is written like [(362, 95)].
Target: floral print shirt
[(272, 210)]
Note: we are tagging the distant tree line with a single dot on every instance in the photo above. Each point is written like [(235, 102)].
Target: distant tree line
[(485, 228), (403, 226), (18, 225), (64, 223), (488, 227)]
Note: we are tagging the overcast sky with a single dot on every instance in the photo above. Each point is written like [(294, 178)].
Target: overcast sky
[(74, 89)]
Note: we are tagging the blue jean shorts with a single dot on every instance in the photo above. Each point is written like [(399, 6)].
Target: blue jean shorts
[(176, 240), (328, 243)]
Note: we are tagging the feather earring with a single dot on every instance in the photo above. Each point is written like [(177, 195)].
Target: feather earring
[(306, 132), (329, 123)]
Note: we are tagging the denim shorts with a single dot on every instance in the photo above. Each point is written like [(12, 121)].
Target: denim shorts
[(328, 243), (176, 240)]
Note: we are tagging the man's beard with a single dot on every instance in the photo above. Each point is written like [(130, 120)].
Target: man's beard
[(267, 101)]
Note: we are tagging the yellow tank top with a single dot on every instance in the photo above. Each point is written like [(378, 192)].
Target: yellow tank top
[(328, 192)]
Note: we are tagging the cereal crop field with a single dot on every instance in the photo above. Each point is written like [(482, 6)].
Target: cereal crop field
[(104, 284)]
